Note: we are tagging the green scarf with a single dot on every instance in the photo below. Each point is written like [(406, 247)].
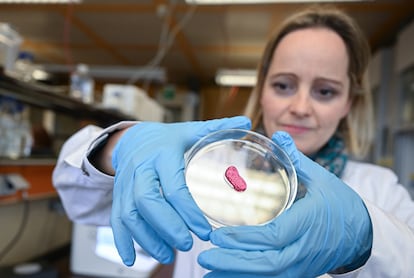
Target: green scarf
[(332, 156)]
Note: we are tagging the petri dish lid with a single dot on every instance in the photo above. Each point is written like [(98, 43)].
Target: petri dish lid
[(239, 177)]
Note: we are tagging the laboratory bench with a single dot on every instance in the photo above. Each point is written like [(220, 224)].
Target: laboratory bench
[(56, 264), (37, 173)]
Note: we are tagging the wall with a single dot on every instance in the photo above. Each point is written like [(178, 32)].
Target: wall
[(219, 102), (404, 49)]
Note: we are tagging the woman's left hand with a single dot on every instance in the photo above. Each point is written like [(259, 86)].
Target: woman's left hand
[(328, 229)]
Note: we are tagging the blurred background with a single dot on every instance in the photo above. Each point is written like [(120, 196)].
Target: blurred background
[(66, 65)]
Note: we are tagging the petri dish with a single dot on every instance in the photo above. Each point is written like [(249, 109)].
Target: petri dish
[(239, 177)]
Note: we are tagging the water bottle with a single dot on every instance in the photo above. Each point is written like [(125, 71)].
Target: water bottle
[(82, 84)]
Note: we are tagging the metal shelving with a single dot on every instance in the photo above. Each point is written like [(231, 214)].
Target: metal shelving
[(56, 99)]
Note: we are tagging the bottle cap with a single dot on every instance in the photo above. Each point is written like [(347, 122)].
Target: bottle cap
[(82, 68)]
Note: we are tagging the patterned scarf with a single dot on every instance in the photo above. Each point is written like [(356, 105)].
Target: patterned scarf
[(332, 156)]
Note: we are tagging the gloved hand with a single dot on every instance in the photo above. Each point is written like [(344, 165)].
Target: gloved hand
[(329, 228), (151, 202)]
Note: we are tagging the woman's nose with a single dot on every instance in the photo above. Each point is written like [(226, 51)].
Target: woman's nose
[(301, 105)]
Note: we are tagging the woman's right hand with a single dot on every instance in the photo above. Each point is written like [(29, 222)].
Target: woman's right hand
[(151, 202)]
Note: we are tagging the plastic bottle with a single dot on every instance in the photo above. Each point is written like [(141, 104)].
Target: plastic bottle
[(82, 84), (15, 130), (10, 41)]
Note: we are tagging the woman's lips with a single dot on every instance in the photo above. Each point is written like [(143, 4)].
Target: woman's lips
[(295, 129)]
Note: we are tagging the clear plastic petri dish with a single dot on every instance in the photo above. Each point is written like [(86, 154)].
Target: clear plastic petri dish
[(239, 177)]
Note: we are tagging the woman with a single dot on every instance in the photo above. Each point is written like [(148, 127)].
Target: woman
[(354, 220)]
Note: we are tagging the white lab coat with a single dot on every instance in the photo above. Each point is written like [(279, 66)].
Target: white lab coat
[(86, 194)]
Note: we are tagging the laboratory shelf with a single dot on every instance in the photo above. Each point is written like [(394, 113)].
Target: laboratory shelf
[(56, 98), (37, 169)]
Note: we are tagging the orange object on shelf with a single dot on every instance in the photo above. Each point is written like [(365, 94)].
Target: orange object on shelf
[(39, 177)]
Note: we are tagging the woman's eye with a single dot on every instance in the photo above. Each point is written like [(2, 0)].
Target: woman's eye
[(283, 87), (280, 86), (325, 93)]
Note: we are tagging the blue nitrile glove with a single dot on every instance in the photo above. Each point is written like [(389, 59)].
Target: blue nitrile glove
[(151, 202), (329, 228)]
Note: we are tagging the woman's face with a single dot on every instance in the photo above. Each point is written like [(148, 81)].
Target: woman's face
[(306, 90)]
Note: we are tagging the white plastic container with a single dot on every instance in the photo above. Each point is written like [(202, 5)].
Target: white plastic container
[(132, 101), (125, 98)]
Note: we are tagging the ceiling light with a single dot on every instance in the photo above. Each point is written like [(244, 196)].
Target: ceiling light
[(220, 2), (39, 1), (240, 78)]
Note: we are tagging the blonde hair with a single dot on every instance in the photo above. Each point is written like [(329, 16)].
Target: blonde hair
[(357, 127)]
